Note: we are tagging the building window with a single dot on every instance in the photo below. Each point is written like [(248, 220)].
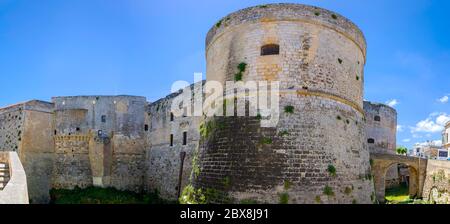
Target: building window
[(377, 118), (270, 49), (78, 129), (146, 127), (184, 138), (371, 141), (171, 117), (171, 140), (103, 118), (56, 132)]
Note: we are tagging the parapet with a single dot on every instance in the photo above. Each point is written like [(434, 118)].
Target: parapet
[(289, 12)]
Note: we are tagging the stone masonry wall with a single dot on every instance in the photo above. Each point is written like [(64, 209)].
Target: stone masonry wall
[(27, 129), (381, 127), (320, 67), (437, 182), (11, 127), (163, 161), (72, 166)]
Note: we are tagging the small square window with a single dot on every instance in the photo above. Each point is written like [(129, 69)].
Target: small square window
[(103, 118), (377, 118)]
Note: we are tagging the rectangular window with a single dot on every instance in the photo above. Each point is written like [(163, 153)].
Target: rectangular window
[(171, 117), (171, 140), (146, 127), (103, 118), (184, 138)]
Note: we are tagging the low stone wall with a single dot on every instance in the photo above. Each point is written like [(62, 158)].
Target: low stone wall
[(16, 191), (437, 182)]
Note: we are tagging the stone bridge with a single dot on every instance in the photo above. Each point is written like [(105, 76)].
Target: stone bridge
[(381, 164)]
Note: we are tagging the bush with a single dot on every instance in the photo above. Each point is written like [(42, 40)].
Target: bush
[(331, 170), (328, 191), (284, 198), (289, 109)]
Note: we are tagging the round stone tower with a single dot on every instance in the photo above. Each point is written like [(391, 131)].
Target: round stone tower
[(381, 128), (317, 153)]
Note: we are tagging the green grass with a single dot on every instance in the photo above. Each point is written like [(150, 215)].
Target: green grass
[(398, 195), (94, 195)]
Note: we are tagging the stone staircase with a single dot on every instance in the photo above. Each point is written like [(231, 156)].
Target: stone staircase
[(4, 175)]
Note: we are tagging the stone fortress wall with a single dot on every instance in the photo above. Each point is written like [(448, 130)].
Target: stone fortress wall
[(381, 130), (318, 153), (168, 137), (318, 57), (381, 133)]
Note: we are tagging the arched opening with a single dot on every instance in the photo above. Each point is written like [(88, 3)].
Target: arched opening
[(401, 183)]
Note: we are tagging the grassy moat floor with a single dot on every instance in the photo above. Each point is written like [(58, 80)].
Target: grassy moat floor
[(400, 195), (93, 195)]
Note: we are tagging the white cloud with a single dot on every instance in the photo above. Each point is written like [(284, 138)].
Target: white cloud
[(392, 103), (444, 99), (400, 128), (442, 119), (407, 140), (433, 124), (427, 143)]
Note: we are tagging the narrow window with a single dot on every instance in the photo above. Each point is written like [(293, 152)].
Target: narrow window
[(377, 118), (56, 132), (371, 141), (270, 49), (171, 140), (171, 117), (146, 127), (184, 138), (103, 118)]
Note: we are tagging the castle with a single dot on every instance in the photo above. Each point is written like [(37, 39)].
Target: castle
[(318, 152)]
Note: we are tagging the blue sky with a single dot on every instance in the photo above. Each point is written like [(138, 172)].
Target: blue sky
[(80, 47)]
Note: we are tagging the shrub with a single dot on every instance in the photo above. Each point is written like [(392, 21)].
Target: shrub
[(318, 199), (242, 66), (284, 133), (348, 190), (334, 16), (238, 77), (289, 109), (328, 191), (266, 141), (332, 170), (284, 198), (287, 185)]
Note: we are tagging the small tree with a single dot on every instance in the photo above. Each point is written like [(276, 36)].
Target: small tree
[(402, 150)]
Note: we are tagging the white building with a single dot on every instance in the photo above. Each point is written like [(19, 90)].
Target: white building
[(430, 150)]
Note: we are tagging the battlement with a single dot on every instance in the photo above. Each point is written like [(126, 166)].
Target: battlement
[(289, 12), (377, 106)]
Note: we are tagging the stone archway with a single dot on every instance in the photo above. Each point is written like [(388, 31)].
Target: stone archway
[(382, 162), (412, 181)]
